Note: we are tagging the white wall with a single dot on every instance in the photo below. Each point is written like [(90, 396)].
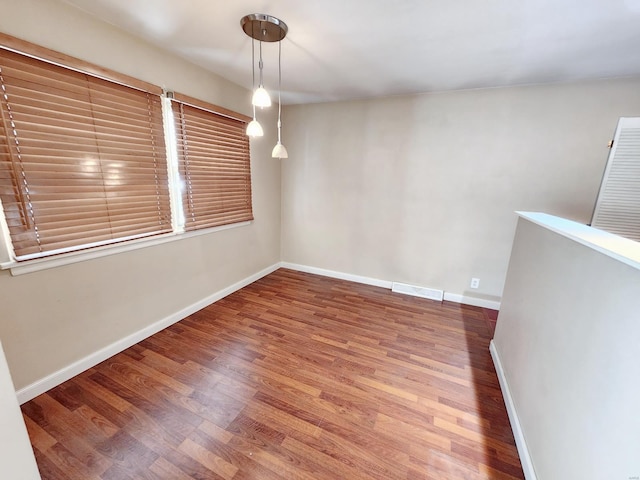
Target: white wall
[(16, 456), (52, 318), (422, 189), (567, 341)]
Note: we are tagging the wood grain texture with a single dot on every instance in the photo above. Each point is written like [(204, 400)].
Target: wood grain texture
[(297, 377)]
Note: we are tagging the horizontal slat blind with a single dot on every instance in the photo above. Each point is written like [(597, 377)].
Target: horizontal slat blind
[(214, 163), (82, 159), (618, 206)]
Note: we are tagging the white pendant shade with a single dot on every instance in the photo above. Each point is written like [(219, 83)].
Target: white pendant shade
[(279, 151), (261, 97), (254, 129)]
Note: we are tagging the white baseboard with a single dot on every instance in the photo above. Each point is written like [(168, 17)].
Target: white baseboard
[(523, 450), (451, 297), (56, 378), (340, 275), (474, 301)]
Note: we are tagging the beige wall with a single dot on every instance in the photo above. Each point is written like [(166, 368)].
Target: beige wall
[(567, 340), (422, 189), (54, 317)]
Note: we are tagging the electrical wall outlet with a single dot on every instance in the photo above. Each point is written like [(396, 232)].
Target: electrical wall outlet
[(475, 283)]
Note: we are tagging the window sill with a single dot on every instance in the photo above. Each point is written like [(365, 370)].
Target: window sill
[(29, 266)]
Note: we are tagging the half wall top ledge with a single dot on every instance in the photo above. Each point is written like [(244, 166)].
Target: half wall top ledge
[(625, 250)]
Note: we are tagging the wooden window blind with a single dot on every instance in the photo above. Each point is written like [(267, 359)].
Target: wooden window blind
[(82, 159), (214, 163)]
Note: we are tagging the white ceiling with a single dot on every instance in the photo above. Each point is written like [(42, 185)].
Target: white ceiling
[(348, 49)]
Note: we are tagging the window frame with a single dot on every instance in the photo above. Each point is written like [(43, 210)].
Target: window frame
[(7, 255)]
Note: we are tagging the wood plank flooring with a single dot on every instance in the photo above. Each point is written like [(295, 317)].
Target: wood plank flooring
[(293, 377)]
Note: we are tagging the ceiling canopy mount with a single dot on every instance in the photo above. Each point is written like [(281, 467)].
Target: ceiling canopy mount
[(264, 28)]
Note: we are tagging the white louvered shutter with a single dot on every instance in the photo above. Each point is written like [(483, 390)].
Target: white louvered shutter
[(618, 206)]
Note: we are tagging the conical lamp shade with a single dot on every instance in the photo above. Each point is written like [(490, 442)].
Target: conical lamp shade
[(279, 151), (261, 97), (254, 129)]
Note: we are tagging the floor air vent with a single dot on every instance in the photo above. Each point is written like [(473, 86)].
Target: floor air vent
[(430, 293)]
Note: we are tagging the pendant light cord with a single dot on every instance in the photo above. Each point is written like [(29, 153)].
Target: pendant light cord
[(253, 71), (279, 88), (260, 64), (253, 63)]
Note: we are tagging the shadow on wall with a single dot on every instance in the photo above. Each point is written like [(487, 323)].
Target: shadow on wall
[(493, 423)]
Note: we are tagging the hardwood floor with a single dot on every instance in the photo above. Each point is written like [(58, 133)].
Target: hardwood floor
[(293, 377)]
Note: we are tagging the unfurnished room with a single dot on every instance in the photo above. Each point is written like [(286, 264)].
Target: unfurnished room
[(319, 240)]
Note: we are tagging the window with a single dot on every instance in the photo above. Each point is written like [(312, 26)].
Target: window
[(213, 158), (83, 161)]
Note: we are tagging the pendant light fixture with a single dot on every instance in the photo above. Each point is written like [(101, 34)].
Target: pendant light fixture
[(261, 97), (254, 129), (265, 28), (279, 151)]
